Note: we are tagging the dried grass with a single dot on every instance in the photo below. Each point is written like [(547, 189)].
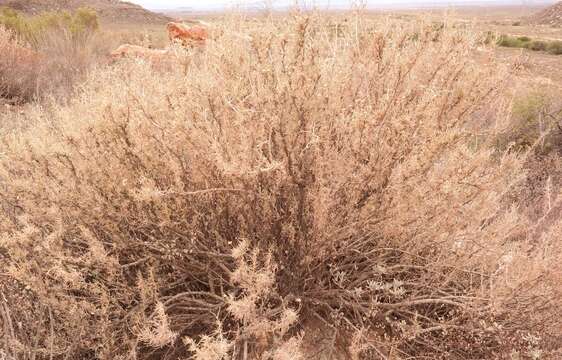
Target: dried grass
[(18, 68), (52, 69)]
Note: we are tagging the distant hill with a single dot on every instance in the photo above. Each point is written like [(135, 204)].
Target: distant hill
[(108, 10), (552, 16)]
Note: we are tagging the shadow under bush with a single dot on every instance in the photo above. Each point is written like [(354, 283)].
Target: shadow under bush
[(337, 168)]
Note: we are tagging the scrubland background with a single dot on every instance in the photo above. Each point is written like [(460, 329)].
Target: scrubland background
[(307, 186)]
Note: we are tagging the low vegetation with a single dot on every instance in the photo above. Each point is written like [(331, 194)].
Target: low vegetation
[(33, 29), (19, 68), (553, 47), (300, 182), (47, 54), (534, 124)]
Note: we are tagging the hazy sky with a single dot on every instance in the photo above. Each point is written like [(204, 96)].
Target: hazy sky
[(210, 4)]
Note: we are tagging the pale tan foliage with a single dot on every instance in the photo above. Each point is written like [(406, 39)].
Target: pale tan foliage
[(256, 278), (209, 348), (157, 333), (256, 322), (288, 350)]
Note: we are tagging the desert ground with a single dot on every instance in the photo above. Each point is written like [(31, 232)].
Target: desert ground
[(300, 185)]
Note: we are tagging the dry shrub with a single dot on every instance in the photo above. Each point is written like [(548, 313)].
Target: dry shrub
[(68, 58), (534, 129), (340, 171), (18, 68), (63, 47), (60, 61)]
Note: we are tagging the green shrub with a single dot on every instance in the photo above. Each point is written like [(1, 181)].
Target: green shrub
[(54, 50), (488, 37), (33, 29), (529, 124), (12, 21), (525, 42), (51, 68), (19, 69), (511, 42), (555, 47), (528, 107), (84, 20), (537, 45)]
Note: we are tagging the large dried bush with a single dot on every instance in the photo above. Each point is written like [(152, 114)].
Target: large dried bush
[(293, 182)]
